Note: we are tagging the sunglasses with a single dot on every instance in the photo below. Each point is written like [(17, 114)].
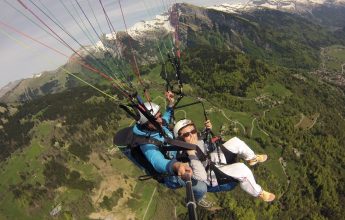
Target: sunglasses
[(189, 133)]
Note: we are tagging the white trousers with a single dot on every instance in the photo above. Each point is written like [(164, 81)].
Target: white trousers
[(244, 175), (238, 171), (236, 146)]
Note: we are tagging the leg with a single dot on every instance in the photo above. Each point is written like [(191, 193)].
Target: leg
[(199, 189), (244, 175), (237, 146)]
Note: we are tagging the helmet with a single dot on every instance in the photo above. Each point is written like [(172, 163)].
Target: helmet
[(153, 109), (181, 124)]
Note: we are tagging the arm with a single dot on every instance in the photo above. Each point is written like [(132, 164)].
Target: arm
[(168, 114), (163, 165), (199, 172), (169, 111), (157, 159), (208, 125)]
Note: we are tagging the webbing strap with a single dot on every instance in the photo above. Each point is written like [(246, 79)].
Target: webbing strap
[(139, 140), (222, 178), (126, 137)]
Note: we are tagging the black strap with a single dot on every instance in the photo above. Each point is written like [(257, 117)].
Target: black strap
[(134, 113), (126, 137), (229, 156), (222, 178), (140, 158), (140, 140), (181, 145)]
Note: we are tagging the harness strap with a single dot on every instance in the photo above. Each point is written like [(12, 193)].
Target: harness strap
[(126, 137), (229, 156), (139, 140), (221, 177)]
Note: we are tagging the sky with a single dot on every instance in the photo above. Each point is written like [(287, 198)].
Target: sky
[(21, 57)]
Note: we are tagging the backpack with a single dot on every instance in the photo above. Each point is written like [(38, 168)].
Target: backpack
[(126, 137)]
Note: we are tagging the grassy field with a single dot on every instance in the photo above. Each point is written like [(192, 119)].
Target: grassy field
[(334, 57), (306, 123), (86, 170), (28, 163), (276, 89), (144, 191)]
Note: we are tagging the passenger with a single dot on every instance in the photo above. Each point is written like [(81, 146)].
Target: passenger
[(238, 172)]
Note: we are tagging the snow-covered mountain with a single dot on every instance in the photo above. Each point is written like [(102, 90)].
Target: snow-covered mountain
[(149, 29), (140, 32), (298, 6)]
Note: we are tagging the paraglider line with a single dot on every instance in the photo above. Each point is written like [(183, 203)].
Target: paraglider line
[(22, 44), (81, 63), (112, 31), (26, 7), (136, 68)]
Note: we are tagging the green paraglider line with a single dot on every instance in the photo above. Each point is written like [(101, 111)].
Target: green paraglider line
[(88, 20), (94, 15)]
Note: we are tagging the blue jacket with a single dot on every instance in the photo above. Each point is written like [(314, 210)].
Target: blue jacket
[(151, 151)]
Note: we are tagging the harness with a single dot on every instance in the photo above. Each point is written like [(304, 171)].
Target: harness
[(216, 144), (126, 137)]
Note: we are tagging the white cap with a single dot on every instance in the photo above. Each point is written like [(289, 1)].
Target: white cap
[(181, 124), (153, 109)]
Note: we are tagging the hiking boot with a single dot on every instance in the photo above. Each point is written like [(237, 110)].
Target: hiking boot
[(258, 159), (267, 196), (205, 203)]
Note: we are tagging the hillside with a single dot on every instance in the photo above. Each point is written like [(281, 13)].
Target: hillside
[(255, 72), (48, 82)]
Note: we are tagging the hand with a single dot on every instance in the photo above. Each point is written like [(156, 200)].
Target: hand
[(170, 98), (193, 139), (208, 124), (182, 169)]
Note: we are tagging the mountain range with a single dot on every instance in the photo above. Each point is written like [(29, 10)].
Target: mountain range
[(329, 14)]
